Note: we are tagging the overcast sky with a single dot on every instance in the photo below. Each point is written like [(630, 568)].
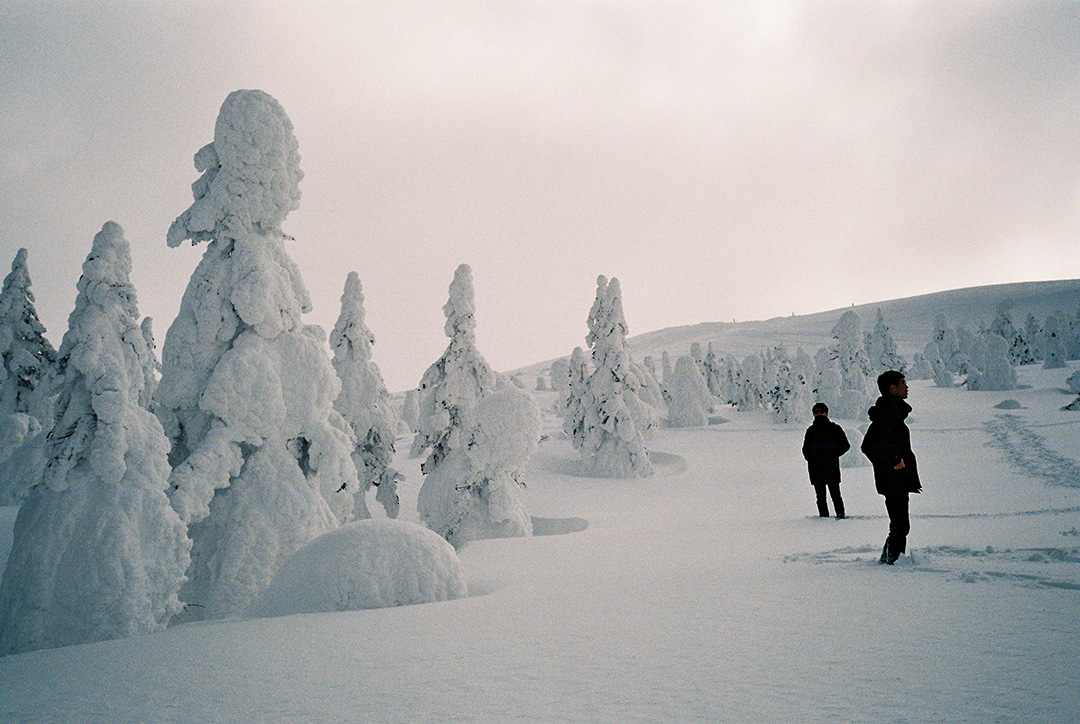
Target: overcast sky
[(725, 161)]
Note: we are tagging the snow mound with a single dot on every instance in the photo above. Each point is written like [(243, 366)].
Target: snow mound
[(365, 564), (1009, 404)]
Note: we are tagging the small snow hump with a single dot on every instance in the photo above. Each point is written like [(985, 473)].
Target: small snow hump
[(364, 564)]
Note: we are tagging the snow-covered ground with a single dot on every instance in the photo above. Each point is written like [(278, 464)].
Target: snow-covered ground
[(708, 593)]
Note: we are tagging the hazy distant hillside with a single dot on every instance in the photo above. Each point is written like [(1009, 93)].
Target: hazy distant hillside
[(911, 321)]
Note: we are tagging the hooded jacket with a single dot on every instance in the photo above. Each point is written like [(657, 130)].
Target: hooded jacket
[(887, 442)]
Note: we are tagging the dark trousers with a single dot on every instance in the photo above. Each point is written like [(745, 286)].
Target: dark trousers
[(899, 526), (837, 501)]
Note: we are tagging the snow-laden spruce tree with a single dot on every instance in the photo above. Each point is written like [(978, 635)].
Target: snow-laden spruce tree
[(364, 402), (475, 492), (690, 398), (995, 371), (29, 360), (854, 367), (577, 384), (609, 424), (27, 369), (261, 460), (456, 382), (881, 348), (98, 551), (1053, 344)]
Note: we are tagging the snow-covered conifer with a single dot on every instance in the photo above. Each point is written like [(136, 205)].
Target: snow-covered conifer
[(364, 402), (689, 405), (98, 551), (261, 460), (475, 492), (995, 373), (577, 379), (560, 384), (854, 366), (410, 410), (1053, 346), (28, 359), (609, 425), (882, 348), (454, 384)]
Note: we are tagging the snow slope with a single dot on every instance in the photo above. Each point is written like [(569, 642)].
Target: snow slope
[(708, 593)]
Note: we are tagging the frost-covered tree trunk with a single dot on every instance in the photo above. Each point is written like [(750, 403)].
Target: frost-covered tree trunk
[(364, 402), (475, 492), (261, 460), (456, 382), (98, 552), (609, 425)]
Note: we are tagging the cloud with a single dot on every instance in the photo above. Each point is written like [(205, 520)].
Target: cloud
[(723, 159)]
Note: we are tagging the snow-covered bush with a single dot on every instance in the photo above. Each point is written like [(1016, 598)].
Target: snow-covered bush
[(609, 424), (854, 457), (364, 564), (364, 402), (98, 551), (476, 492), (689, 405), (247, 391), (456, 382)]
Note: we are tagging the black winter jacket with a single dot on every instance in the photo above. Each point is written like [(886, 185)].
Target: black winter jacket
[(823, 445), (887, 442)]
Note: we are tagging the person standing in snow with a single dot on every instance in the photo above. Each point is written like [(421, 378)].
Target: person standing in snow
[(888, 445), (823, 445)]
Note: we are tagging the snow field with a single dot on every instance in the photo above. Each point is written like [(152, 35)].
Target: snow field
[(710, 592)]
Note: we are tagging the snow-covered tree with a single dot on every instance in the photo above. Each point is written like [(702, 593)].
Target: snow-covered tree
[(98, 552), (364, 402), (689, 405), (261, 460), (577, 383), (475, 492), (560, 384), (995, 373), (27, 369), (854, 367), (609, 425), (28, 359), (456, 382), (410, 410), (1053, 344), (881, 349)]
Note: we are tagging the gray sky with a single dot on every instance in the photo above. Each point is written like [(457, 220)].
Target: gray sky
[(725, 161)]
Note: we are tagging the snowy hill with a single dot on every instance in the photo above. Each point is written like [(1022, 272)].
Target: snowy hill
[(911, 321), (708, 593)]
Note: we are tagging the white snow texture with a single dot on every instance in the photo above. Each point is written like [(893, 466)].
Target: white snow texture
[(365, 564)]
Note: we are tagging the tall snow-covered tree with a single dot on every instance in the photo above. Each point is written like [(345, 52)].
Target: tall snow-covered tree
[(854, 366), (994, 370), (881, 348), (609, 425), (364, 402), (29, 360), (27, 369), (98, 551), (261, 460), (454, 384)]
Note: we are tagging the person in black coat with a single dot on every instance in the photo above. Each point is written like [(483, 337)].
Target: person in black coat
[(823, 445), (888, 445)]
